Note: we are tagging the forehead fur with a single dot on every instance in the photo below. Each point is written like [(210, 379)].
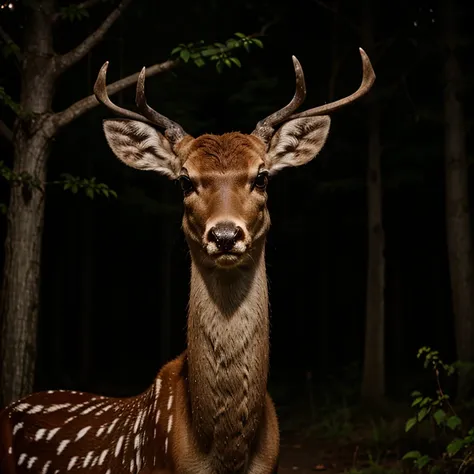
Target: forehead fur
[(224, 152)]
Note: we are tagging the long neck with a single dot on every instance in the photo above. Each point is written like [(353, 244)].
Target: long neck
[(228, 351)]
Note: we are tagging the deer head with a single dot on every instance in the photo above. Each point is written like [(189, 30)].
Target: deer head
[(224, 178)]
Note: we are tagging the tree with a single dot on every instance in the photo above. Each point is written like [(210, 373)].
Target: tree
[(373, 378), (33, 132), (457, 195)]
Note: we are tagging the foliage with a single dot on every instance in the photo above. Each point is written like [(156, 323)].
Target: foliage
[(73, 12), (444, 420), (90, 186), (219, 53), (9, 102)]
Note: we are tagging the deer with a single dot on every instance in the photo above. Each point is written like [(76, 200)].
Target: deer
[(208, 411)]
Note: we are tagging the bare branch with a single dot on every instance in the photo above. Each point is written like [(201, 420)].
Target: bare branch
[(72, 57), (81, 6), (8, 41), (63, 118), (5, 131)]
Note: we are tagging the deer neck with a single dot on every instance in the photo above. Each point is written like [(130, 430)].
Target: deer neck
[(228, 351)]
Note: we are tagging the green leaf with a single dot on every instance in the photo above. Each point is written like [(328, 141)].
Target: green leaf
[(236, 62), (416, 393), (423, 461), (184, 55), (219, 66), (426, 401), (113, 193), (176, 50), (227, 62), (90, 193), (240, 35), (257, 42), (453, 422), (199, 62), (410, 424), (416, 401), (105, 192), (439, 416), (412, 455), (454, 446), (74, 188), (423, 412)]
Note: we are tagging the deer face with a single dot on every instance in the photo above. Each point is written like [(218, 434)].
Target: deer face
[(224, 178)]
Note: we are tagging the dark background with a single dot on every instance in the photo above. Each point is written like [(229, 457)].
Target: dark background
[(116, 272)]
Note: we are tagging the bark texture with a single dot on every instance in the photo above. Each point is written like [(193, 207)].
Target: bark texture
[(457, 198)]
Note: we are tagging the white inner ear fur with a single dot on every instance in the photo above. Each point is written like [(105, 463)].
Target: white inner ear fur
[(141, 146), (297, 142)]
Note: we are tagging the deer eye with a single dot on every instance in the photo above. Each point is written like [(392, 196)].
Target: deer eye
[(261, 181), (186, 184)]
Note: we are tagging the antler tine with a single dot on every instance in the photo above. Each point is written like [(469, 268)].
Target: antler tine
[(173, 130), (368, 78), (100, 92), (264, 128)]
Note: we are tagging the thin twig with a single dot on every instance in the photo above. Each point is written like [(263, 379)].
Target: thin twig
[(66, 60), (8, 40), (5, 131)]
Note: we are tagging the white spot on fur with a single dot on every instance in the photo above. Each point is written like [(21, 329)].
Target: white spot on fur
[(10, 450), (52, 433), (70, 419), (137, 422), (62, 445), (132, 465), (112, 425), (170, 401), (136, 442), (82, 432), (21, 458), (31, 461), (100, 430), (57, 407), (170, 423), (157, 387), (71, 463), (22, 407), (166, 445), (119, 446), (46, 467), (17, 427), (39, 434), (94, 462), (157, 416), (88, 458), (35, 409), (102, 456)]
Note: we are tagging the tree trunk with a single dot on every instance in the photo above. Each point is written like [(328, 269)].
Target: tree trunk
[(31, 141), (373, 378), (457, 199), (20, 303)]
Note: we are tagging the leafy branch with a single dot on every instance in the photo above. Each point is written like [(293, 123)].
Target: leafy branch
[(89, 185), (219, 53), (442, 415)]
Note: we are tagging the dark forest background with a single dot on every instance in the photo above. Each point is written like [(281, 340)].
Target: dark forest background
[(115, 271)]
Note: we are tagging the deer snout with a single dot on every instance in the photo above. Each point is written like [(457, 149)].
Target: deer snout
[(225, 236)]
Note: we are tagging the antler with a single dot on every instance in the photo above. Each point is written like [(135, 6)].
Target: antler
[(264, 128), (173, 131)]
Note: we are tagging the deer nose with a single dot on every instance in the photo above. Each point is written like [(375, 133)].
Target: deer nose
[(225, 235)]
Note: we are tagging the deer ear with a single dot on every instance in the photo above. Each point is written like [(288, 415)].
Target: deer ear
[(141, 146), (297, 142)]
